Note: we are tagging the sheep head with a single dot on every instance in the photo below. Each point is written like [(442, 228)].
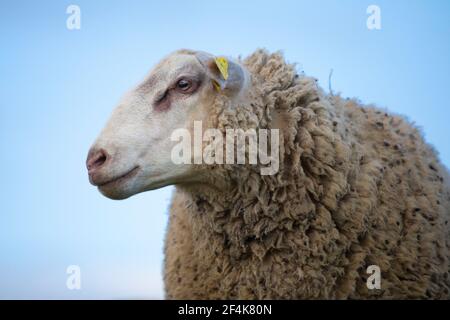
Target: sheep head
[(133, 152)]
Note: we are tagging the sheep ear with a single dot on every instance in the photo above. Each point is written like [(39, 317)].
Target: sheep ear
[(226, 75)]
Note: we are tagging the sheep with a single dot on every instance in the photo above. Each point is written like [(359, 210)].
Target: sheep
[(356, 187)]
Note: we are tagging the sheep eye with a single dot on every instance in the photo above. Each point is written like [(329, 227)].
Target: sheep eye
[(184, 85)]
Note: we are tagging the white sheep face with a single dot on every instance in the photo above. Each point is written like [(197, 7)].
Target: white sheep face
[(133, 152)]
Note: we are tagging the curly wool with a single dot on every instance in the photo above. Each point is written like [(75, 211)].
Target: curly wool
[(356, 187)]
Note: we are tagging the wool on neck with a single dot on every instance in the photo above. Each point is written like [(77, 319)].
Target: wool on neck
[(254, 214)]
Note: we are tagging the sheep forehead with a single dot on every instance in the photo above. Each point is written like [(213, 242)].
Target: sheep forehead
[(171, 67), (177, 63)]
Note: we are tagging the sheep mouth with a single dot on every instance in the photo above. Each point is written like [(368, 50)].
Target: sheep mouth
[(118, 180)]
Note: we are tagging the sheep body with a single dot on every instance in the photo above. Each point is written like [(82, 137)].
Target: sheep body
[(356, 187)]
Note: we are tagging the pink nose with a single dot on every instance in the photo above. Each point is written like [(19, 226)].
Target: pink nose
[(96, 159)]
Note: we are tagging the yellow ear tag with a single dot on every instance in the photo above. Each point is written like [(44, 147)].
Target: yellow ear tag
[(216, 85), (222, 64)]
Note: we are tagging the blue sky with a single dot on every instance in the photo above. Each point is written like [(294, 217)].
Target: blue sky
[(58, 87)]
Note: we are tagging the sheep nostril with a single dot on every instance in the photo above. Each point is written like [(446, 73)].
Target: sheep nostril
[(101, 160), (96, 159)]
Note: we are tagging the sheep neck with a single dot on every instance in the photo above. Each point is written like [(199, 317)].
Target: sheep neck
[(255, 218)]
